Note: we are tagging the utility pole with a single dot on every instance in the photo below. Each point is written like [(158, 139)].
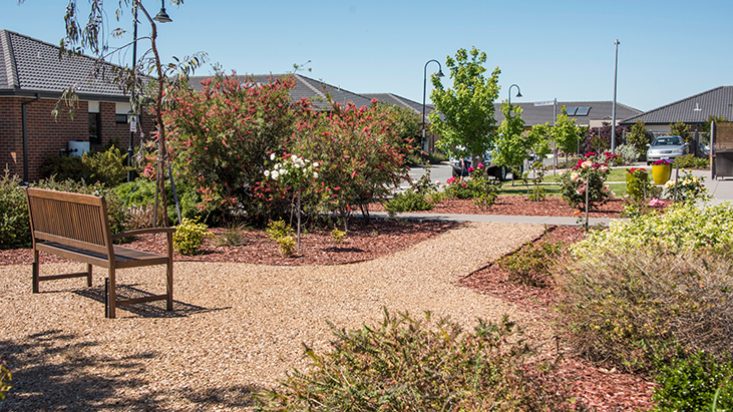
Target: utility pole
[(613, 109), (133, 102)]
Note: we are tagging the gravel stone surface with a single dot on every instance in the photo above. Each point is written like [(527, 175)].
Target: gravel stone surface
[(236, 327)]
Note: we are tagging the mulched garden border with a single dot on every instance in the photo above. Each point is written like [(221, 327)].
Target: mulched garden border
[(595, 387), (365, 241)]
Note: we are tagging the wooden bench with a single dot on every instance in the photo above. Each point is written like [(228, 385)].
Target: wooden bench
[(76, 227)]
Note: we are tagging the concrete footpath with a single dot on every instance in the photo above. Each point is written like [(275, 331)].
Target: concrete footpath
[(536, 220)]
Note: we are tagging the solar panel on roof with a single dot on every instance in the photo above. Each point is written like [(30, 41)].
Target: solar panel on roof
[(582, 111), (571, 110)]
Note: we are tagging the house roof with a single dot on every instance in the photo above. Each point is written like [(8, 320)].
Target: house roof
[(391, 98), (29, 66), (694, 109), (586, 111), (314, 90)]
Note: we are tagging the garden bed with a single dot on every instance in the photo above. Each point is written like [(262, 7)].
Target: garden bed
[(365, 241), (520, 205), (593, 386)]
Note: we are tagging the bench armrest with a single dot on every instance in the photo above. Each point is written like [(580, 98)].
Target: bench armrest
[(143, 232)]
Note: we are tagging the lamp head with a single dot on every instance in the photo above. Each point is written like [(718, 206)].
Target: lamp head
[(440, 73), (162, 16)]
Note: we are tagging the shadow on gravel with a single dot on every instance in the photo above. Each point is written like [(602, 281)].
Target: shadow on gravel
[(145, 310), (52, 370), (231, 397)]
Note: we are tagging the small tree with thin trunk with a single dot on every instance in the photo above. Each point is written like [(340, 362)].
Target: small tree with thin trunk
[(91, 35), (464, 113)]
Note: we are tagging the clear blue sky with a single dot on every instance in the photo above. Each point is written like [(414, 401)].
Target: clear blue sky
[(669, 48)]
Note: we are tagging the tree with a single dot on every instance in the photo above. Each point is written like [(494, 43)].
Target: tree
[(464, 115), (91, 35), (566, 133), (639, 137), (540, 136), (681, 129), (511, 148)]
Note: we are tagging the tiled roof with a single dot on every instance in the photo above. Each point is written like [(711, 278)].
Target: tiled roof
[(316, 91), (693, 109), (29, 66), (598, 110), (391, 98)]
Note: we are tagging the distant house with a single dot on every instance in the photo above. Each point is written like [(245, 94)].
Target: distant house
[(694, 110), (33, 75), (319, 93), (585, 113)]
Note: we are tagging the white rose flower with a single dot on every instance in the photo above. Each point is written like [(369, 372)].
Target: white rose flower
[(272, 156), (315, 175), (603, 169), (293, 158), (297, 165), (587, 164), (267, 173), (574, 176), (275, 174), (315, 164)]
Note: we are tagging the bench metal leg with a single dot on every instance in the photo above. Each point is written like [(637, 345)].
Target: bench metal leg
[(169, 285), (89, 275), (111, 295), (36, 270)]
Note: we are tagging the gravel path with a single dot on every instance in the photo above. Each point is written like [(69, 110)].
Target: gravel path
[(237, 327)]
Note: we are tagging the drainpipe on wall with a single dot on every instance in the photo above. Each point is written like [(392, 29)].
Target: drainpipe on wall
[(24, 128)]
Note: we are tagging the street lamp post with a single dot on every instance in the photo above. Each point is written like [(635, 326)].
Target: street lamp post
[(424, 93), (133, 105), (519, 92), (613, 109)]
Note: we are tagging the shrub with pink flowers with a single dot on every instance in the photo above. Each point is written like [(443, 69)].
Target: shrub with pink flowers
[(478, 186), (220, 137), (589, 174)]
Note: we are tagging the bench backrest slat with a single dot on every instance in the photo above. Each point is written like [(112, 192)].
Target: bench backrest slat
[(71, 219)]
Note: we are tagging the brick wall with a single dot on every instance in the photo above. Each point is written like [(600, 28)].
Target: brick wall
[(49, 136)]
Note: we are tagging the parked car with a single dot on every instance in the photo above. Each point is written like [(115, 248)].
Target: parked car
[(461, 166), (666, 147)]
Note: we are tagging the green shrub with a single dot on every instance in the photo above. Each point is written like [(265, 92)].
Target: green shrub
[(531, 264), (5, 378), (478, 185), (641, 307), (681, 227), (409, 364), (107, 167), (65, 168), (189, 236), (628, 153), (14, 222), (407, 201), (690, 161), (141, 193), (699, 382), (284, 235), (687, 188), (338, 235), (638, 184)]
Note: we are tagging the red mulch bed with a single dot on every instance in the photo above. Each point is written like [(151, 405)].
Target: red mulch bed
[(366, 241), (520, 205), (593, 386)]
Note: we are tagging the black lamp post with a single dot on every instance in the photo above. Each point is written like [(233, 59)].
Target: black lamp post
[(424, 92), (162, 16), (519, 92)]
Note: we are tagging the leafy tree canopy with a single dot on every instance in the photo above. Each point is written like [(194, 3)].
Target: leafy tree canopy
[(464, 115), (511, 148), (566, 133)]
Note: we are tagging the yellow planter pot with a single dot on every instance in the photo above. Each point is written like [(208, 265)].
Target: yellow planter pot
[(661, 173)]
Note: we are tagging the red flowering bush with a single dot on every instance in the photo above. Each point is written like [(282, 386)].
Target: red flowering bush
[(219, 138), (588, 174), (361, 152)]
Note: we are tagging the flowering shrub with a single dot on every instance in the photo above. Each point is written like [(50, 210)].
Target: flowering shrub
[(628, 153), (220, 138), (662, 162), (479, 187), (611, 158), (638, 185), (294, 175), (362, 152), (688, 188), (588, 174)]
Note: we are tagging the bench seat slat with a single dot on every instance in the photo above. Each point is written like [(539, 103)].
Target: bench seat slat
[(124, 257)]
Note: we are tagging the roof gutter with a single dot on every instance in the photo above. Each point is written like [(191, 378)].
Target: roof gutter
[(24, 128)]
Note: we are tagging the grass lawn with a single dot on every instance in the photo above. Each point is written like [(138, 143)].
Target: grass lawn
[(616, 175), (619, 190)]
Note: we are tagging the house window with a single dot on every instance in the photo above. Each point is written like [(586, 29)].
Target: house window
[(121, 112), (120, 118), (95, 128)]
